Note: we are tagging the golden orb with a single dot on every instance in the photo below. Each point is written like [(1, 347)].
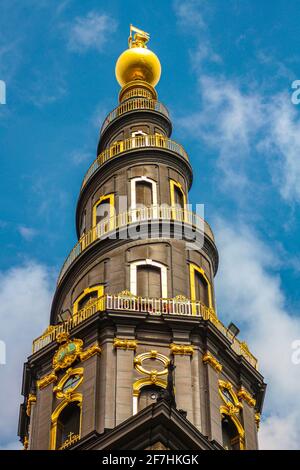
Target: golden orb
[(138, 63)]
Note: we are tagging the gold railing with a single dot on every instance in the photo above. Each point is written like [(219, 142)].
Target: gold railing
[(108, 226), (134, 92), (133, 105), (142, 141), (151, 306)]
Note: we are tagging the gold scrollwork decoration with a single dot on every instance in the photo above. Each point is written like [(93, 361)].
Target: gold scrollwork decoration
[(67, 353), (127, 344), (59, 388), (181, 298), (31, 399), (140, 383), (244, 395), (153, 373), (208, 358), (126, 293), (92, 351), (47, 380), (231, 400), (182, 349)]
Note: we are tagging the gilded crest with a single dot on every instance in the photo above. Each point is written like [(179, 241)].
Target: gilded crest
[(67, 353)]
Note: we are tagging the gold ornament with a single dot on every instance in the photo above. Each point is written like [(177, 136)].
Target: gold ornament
[(47, 380), (31, 399), (208, 358), (95, 349), (244, 395), (129, 344), (67, 353), (182, 349), (138, 62)]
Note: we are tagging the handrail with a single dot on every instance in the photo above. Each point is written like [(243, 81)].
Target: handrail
[(107, 226), (152, 306), (134, 105), (141, 141)]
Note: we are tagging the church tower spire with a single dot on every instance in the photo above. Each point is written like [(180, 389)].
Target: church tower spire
[(134, 341)]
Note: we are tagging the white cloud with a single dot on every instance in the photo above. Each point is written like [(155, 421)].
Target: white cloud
[(192, 16), (283, 140), (228, 121), (25, 297), (28, 233), (90, 31), (244, 127), (250, 294), (82, 156), (190, 13)]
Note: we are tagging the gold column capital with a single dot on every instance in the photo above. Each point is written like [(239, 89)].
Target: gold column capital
[(208, 358), (47, 380), (244, 395), (182, 349), (31, 399), (127, 344), (95, 349)]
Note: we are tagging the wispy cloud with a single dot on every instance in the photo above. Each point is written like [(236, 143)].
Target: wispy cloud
[(81, 156), (25, 296), (90, 31), (190, 13), (251, 295), (243, 121), (244, 126), (192, 17), (28, 233)]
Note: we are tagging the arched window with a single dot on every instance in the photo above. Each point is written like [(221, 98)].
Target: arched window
[(87, 296), (104, 210), (146, 392), (230, 434), (200, 286), (68, 423), (148, 395), (143, 194), (178, 197), (148, 279), (178, 200)]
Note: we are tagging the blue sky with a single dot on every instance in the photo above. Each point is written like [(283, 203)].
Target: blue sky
[(227, 70)]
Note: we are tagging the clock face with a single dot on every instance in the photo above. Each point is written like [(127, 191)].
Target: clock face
[(71, 383), (227, 395)]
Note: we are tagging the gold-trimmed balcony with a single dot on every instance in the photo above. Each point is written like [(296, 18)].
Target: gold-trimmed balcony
[(153, 213), (138, 142), (134, 104), (125, 301)]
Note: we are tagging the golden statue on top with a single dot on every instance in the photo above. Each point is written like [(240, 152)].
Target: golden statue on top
[(138, 62)]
